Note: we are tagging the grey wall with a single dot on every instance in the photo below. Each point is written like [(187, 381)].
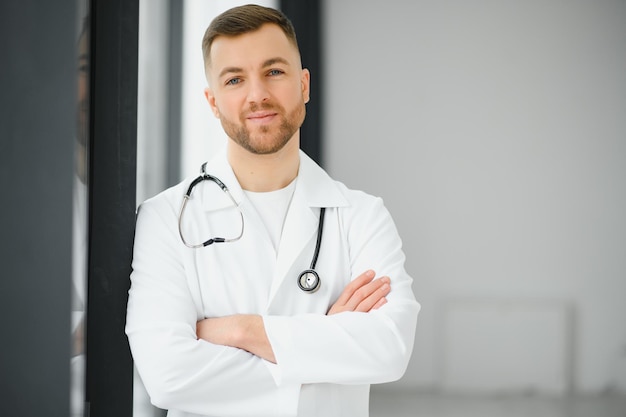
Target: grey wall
[(38, 78), (495, 132)]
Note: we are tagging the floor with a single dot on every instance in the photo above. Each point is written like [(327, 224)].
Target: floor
[(395, 404)]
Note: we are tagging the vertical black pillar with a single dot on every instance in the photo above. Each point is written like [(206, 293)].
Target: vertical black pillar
[(306, 18), (112, 203), (38, 78)]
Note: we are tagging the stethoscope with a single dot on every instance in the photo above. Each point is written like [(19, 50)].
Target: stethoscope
[(308, 280)]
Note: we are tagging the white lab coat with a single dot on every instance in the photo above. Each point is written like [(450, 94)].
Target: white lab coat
[(324, 363)]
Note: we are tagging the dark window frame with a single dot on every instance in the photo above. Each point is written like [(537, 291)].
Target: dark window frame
[(306, 18), (113, 161)]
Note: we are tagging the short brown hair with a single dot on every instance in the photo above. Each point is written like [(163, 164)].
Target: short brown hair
[(244, 19)]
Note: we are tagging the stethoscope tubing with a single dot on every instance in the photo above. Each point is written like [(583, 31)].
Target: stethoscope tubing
[(303, 279), (204, 176), (318, 243)]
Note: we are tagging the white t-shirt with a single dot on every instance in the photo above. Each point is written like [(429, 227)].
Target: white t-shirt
[(272, 207)]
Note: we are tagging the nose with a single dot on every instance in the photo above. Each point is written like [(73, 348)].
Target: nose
[(258, 91)]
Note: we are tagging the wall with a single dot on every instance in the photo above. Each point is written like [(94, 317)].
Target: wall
[(495, 132)]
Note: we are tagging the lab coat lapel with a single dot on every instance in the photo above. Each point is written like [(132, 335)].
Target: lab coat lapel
[(314, 189), (300, 227)]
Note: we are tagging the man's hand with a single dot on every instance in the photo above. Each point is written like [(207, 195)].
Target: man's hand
[(243, 331), (363, 294)]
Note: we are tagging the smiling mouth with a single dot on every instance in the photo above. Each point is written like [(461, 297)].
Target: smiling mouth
[(261, 117)]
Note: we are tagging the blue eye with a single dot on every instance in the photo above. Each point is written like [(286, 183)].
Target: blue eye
[(275, 72), (233, 81)]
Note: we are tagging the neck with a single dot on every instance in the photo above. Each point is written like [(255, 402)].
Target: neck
[(263, 173)]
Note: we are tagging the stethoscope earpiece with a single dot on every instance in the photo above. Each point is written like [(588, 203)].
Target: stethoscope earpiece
[(309, 281)]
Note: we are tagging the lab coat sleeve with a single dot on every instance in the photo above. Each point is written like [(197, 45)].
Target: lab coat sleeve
[(352, 347), (179, 371)]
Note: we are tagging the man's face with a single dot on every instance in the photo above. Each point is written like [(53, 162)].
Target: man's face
[(257, 88)]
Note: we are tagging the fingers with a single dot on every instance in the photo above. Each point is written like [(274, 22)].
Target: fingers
[(363, 279), (363, 294), (369, 295), (379, 303)]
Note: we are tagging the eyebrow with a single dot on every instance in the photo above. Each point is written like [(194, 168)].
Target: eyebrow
[(267, 63)]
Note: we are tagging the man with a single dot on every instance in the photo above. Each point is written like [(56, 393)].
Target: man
[(230, 329)]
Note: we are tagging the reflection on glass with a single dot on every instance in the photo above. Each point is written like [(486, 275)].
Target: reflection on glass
[(80, 213)]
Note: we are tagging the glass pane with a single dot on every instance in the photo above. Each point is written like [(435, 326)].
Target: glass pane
[(80, 215)]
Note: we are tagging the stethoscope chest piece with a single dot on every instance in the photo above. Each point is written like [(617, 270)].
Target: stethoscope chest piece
[(309, 281)]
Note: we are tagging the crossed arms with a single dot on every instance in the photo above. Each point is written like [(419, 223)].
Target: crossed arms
[(247, 332), (365, 337)]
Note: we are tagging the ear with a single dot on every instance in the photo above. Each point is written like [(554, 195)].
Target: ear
[(305, 83), (210, 97)]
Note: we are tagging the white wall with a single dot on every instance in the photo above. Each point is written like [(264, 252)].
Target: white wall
[(496, 133)]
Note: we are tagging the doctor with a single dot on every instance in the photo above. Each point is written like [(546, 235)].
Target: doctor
[(226, 329)]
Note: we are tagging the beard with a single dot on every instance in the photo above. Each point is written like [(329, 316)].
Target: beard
[(268, 139)]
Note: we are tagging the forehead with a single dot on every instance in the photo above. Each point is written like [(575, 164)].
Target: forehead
[(252, 48)]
